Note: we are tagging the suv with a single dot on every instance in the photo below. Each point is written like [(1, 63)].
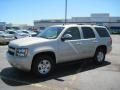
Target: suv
[(58, 44)]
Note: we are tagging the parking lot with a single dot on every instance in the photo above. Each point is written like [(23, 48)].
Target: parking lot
[(69, 76)]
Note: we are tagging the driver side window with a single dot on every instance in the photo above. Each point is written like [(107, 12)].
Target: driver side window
[(74, 31)]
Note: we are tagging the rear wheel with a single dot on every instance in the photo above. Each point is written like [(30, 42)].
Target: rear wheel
[(43, 65), (99, 57)]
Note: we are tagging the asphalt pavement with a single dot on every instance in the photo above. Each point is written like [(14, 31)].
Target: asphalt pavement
[(82, 75)]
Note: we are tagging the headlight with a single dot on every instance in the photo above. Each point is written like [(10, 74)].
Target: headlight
[(21, 52)]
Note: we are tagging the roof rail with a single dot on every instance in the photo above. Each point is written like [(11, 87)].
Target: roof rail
[(81, 24)]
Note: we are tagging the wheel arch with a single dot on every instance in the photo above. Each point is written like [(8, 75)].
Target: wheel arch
[(103, 47), (50, 53)]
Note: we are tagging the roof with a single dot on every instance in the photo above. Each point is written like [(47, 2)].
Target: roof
[(77, 25)]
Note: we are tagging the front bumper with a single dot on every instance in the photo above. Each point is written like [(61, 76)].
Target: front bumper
[(23, 63)]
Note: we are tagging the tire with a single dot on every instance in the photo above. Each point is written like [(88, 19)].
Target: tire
[(43, 65), (99, 56)]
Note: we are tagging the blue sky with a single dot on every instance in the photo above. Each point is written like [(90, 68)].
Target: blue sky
[(25, 11)]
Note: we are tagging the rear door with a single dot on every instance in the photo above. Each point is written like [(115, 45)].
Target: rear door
[(88, 41)]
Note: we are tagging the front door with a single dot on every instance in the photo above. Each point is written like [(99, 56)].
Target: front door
[(70, 49)]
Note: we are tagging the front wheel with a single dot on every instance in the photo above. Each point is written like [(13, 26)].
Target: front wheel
[(99, 57), (43, 65)]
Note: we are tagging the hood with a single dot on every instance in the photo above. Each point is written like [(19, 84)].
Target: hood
[(27, 41)]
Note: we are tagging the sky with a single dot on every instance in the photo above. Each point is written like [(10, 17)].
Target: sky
[(26, 11)]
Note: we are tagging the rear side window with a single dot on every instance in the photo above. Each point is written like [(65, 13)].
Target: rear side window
[(102, 32), (88, 32)]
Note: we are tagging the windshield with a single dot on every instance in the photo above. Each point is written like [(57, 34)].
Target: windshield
[(51, 32), (30, 31)]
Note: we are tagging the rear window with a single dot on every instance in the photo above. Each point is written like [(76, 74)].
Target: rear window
[(102, 32)]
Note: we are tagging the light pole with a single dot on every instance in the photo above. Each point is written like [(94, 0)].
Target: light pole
[(65, 11)]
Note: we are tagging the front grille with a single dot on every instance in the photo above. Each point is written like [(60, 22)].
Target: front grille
[(11, 50)]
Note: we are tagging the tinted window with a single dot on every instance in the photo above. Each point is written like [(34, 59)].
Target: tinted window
[(102, 32), (74, 31), (88, 32), (11, 32), (25, 31)]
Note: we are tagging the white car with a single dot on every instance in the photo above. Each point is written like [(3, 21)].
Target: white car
[(17, 33), (31, 33), (58, 44), (5, 37)]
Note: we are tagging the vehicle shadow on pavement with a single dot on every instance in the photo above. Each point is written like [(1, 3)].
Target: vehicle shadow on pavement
[(14, 77)]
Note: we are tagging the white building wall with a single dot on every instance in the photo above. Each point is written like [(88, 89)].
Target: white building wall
[(81, 19), (100, 19)]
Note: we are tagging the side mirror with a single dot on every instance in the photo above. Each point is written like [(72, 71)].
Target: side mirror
[(66, 37)]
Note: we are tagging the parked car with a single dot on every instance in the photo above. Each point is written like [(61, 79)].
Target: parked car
[(31, 33), (58, 44), (17, 33), (5, 37), (40, 31)]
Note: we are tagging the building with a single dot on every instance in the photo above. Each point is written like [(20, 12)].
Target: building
[(113, 23), (18, 26), (41, 24)]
